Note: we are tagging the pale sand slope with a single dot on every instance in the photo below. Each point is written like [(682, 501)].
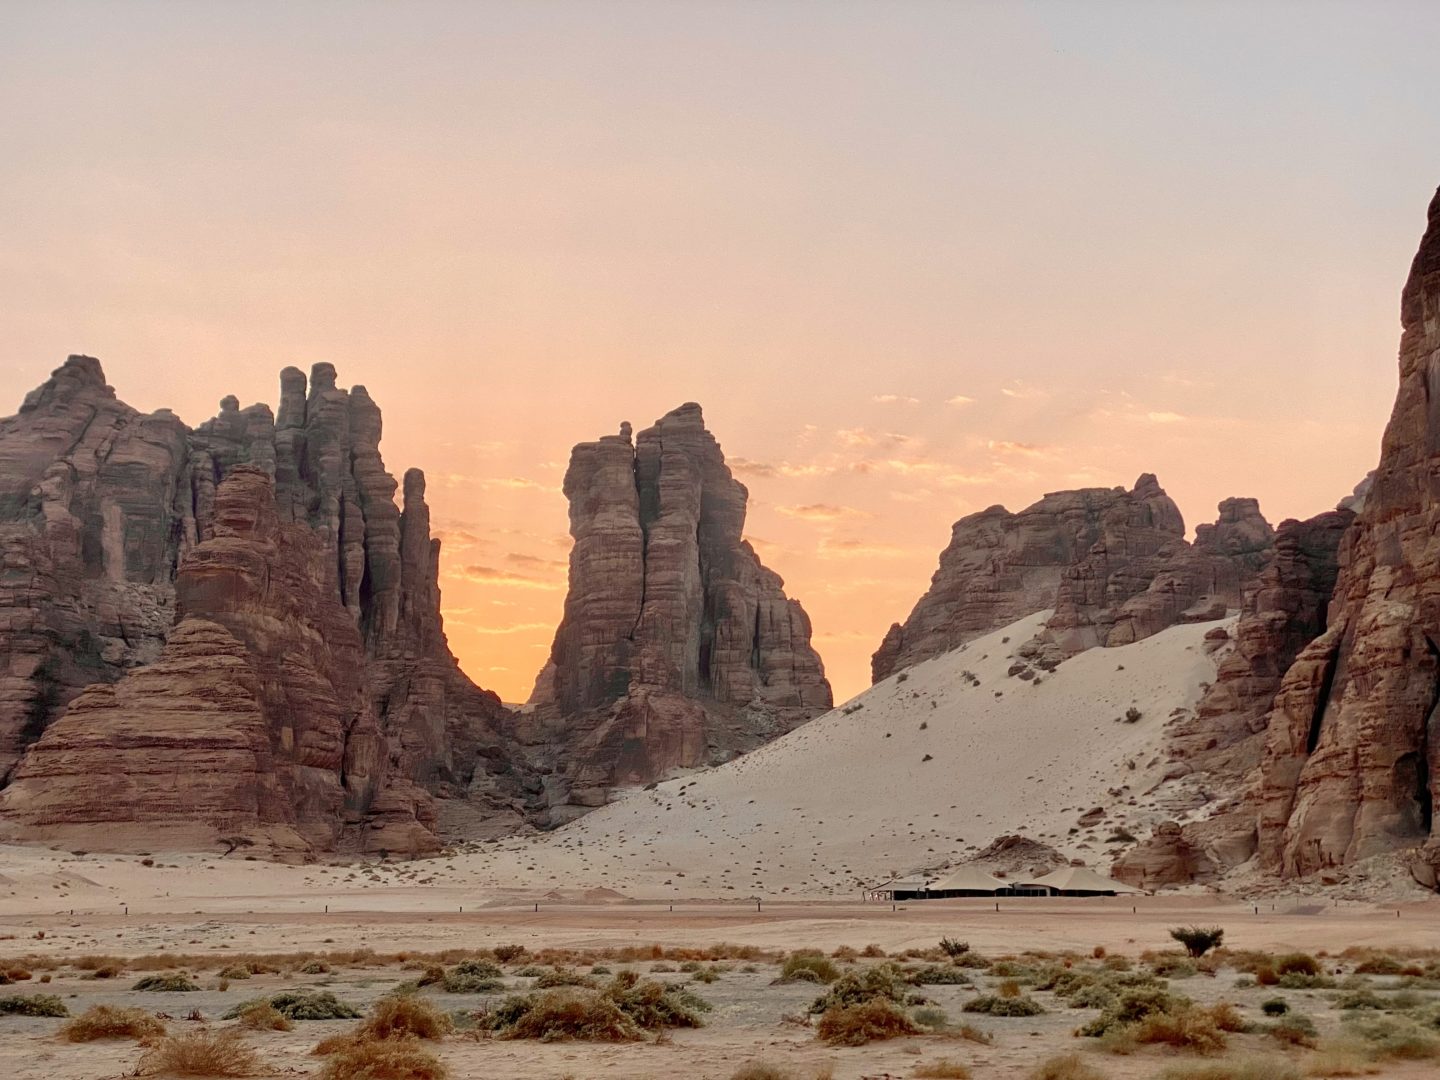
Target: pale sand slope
[(846, 799), (851, 797)]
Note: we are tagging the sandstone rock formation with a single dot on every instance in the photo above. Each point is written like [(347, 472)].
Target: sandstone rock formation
[(677, 647), (277, 542), (1113, 564), (1352, 759)]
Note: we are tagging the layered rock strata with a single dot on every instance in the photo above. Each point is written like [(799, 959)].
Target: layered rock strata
[(285, 534), (677, 647), (1113, 564), (1352, 759)]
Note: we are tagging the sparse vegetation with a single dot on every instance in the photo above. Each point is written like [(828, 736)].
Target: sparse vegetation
[(999, 1005), (111, 1022), (167, 984), (404, 1059), (1066, 1067), (32, 1005), (809, 966), (262, 1016), (1198, 940), (869, 1021), (953, 948), (200, 1053), (302, 1005), (941, 1069)]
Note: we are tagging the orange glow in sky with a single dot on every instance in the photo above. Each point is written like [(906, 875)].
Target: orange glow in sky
[(914, 259)]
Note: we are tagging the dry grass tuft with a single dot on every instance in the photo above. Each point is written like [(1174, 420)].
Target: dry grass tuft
[(1340, 1057), (200, 1053), (404, 1017), (869, 1021), (393, 1059), (943, 1069), (262, 1016), (111, 1022), (1260, 1068), (1066, 1067)]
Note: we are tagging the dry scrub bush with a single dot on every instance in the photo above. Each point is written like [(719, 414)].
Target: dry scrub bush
[(1066, 1067), (870, 1021), (403, 1059), (1185, 1028), (1338, 1058), (763, 1070), (111, 1022), (943, 1069), (302, 1005), (807, 966), (262, 1016), (404, 1017), (561, 1014), (997, 1005), (32, 1005), (883, 981), (200, 1053), (1242, 1069), (167, 984)]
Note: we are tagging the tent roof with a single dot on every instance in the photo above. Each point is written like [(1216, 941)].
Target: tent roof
[(969, 878), (1080, 879), (908, 883)]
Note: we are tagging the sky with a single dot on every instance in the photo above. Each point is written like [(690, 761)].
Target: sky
[(914, 259)]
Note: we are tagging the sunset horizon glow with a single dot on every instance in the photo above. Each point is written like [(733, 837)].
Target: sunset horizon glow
[(913, 260)]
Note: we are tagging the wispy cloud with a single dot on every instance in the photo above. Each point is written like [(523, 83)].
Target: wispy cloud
[(850, 549), (519, 558), (821, 512), (861, 438), (1016, 449), (895, 399), (490, 575), (1021, 390), (960, 399), (515, 483)]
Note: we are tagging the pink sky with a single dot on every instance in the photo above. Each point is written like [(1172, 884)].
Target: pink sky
[(914, 259)]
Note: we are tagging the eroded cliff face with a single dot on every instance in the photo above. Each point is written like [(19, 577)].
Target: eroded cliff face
[(677, 647), (1113, 564), (282, 533), (1352, 759), (1214, 750)]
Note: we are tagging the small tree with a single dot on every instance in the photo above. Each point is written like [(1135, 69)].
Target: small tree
[(1198, 940), (233, 843), (952, 948)]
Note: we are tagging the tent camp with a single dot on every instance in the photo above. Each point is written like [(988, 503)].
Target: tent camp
[(912, 887), (968, 881), (1075, 881)]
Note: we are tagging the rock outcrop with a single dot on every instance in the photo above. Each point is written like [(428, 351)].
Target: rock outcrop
[(279, 544), (1113, 564), (677, 647), (1352, 760)]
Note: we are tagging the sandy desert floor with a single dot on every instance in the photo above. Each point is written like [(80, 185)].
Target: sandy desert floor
[(750, 1021)]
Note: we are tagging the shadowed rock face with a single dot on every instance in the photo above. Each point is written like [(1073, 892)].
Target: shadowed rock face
[(285, 535), (677, 648), (1114, 565), (1352, 760), (1221, 743)]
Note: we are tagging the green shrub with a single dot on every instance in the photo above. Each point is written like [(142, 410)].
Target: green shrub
[(881, 982), (808, 967), (1361, 999), (652, 1004), (1275, 1007), (472, 977), (558, 976), (32, 1005), (1297, 964), (1133, 1005), (167, 984), (302, 1005), (995, 1005), (939, 975), (567, 1012), (1294, 1030)]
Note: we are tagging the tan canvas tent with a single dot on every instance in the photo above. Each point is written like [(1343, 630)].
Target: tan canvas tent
[(901, 888), (968, 881), (1078, 881)]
